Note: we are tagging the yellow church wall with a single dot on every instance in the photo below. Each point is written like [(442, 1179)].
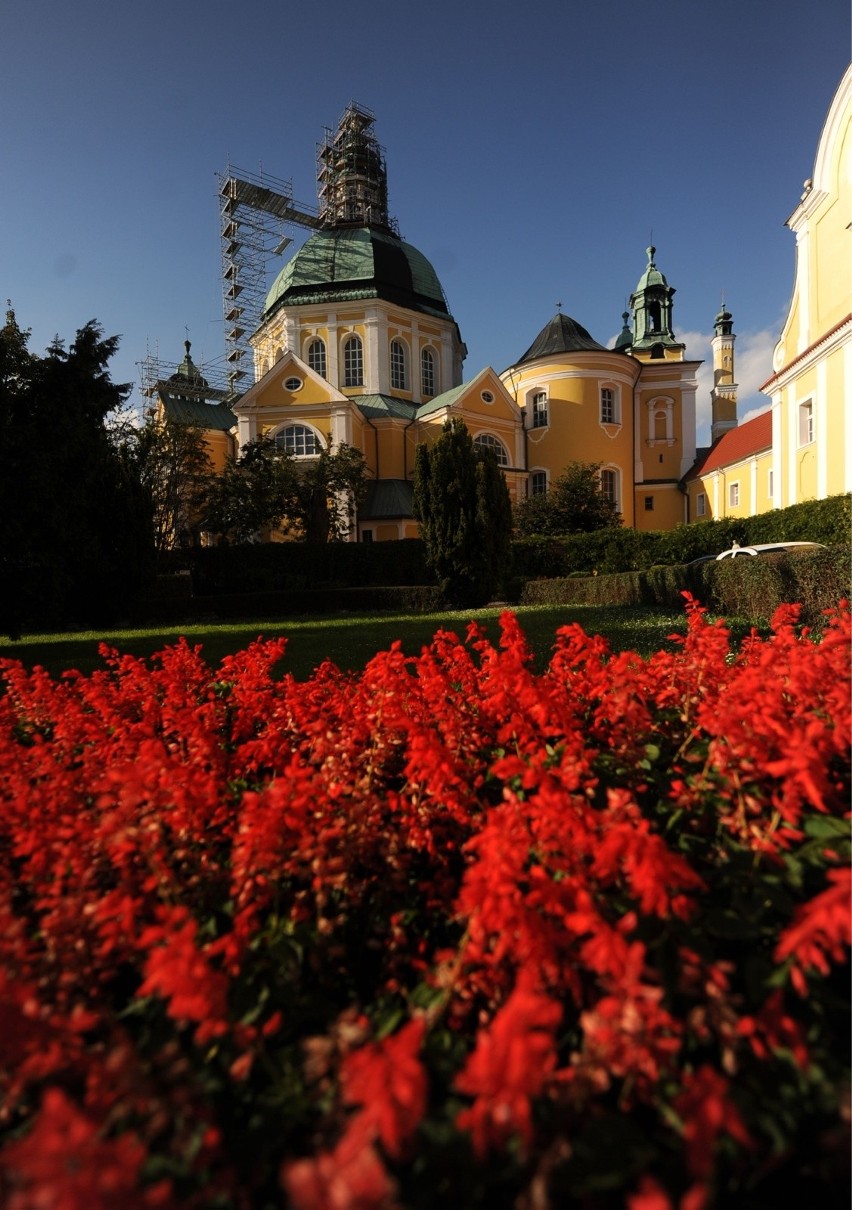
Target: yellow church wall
[(657, 506), (812, 361), (741, 489), (574, 431), (219, 447)]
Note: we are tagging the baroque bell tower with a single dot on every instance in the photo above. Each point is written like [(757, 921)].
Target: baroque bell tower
[(724, 393)]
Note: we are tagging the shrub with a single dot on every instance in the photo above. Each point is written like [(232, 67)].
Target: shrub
[(446, 926), (826, 521)]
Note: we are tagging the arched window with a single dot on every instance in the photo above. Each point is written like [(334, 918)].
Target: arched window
[(353, 362), (538, 483), (609, 485), (427, 374), (316, 356), (299, 440), (485, 441), (660, 421), (398, 366)]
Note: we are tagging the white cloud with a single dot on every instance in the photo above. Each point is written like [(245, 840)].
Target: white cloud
[(752, 366)]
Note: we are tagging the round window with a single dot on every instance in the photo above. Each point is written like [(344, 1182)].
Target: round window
[(487, 397), (292, 384)]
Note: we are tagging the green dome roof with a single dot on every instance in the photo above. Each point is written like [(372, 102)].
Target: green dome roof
[(358, 262)]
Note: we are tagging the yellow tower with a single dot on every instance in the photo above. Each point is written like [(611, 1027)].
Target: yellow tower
[(724, 393)]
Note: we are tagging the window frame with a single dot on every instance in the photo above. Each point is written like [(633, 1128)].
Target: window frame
[(304, 430), (806, 423), (491, 442), (540, 410), (311, 356), (353, 361), (734, 494), (398, 358), (610, 403), (701, 504), (428, 376), (541, 487), (615, 494)]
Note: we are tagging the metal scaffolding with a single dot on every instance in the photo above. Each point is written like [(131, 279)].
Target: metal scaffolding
[(255, 214), (210, 385), (352, 179)]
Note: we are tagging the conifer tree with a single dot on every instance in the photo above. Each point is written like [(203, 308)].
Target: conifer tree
[(462, 503), (75, 544)]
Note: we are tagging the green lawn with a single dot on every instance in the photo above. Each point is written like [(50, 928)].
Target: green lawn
[(348, 641)]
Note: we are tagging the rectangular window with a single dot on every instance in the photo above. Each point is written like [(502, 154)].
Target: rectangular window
[(770, 486), (649, 504), (366, 535), (539, 408), (538, 483), (806, 422), (607, 406), (700, 505), (734, 495)]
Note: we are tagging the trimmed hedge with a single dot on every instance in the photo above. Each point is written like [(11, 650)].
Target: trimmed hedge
[(744, 587), (621, 550), (280, 566), (407, 599)]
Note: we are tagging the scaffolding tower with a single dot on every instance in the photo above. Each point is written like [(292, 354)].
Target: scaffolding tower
[(256, 211), (209, 385), (352, 179)]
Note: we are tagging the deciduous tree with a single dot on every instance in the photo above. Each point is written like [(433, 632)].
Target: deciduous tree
[(574, 504), (266, 487)]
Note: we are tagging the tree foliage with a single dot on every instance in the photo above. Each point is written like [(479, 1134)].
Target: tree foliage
[(462, 503), (75, 541), (265, 487), (574, 504), (173, 465)]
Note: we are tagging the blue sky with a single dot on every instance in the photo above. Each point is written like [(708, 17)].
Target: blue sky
[(532, 148)]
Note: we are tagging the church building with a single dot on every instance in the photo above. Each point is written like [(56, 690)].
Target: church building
[(356, 344)]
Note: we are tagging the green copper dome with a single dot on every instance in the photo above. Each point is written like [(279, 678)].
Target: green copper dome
[(342, 263)]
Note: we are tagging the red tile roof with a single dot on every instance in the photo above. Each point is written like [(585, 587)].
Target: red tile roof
[(737, 444)]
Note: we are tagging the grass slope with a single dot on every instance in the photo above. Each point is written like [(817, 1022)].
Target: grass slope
[(349, 642)]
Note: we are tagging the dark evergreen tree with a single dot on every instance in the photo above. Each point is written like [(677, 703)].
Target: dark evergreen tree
[(462, 503), (574, 504), (75, 545)]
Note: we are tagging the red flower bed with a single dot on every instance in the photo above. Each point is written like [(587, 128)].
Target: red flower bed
[(445, 929)]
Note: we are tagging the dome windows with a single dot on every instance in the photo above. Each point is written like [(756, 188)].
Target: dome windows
[(398, 366), (353, 362), (317, 358), (427, 374)]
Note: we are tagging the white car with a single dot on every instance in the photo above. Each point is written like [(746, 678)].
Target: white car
[(768, 548)]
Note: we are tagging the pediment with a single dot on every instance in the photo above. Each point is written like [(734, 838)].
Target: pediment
[(487, 398), (290, 383)]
